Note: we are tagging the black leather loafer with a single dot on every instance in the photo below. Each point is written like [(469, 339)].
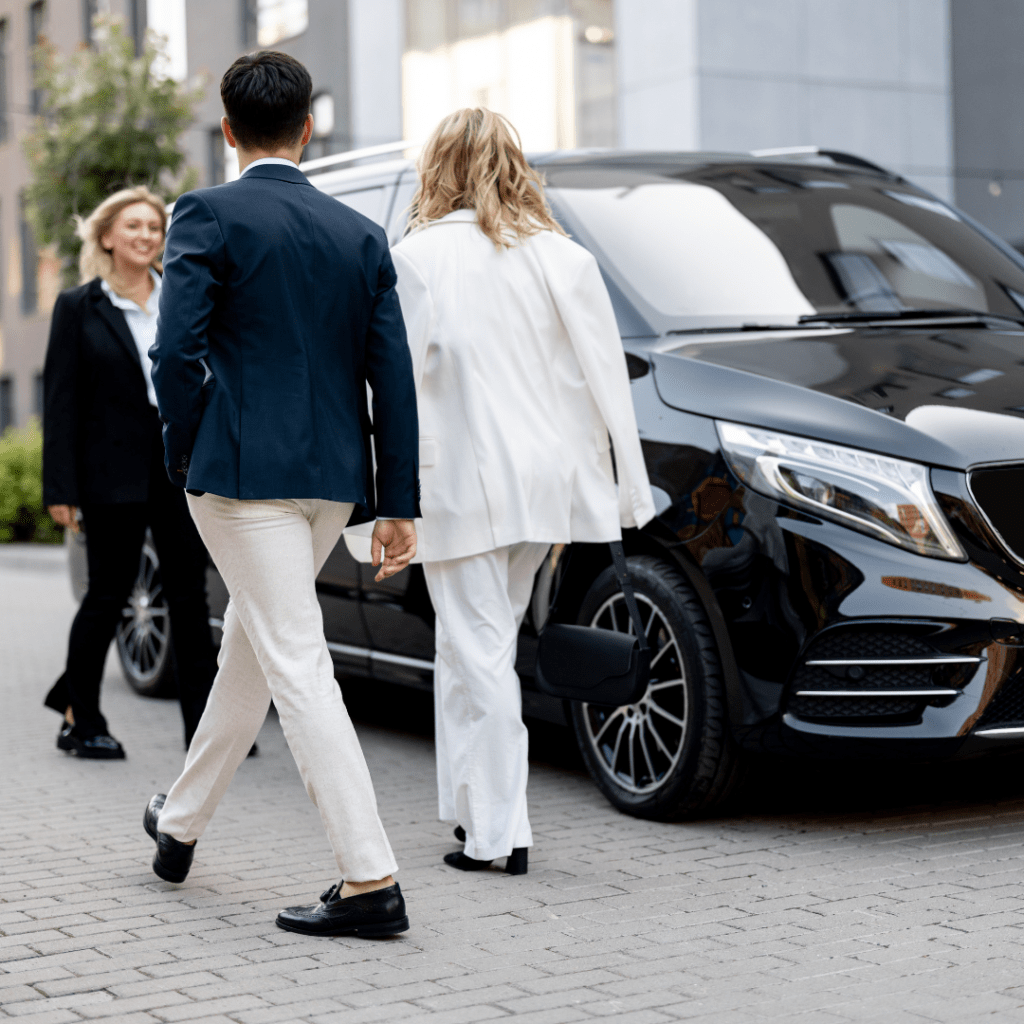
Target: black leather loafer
[(95, 748), (173, 859), (381, 912)]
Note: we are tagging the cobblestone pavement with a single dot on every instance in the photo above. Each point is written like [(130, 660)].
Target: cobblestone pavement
[(829, 893)]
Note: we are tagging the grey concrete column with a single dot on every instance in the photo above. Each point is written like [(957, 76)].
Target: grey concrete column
[(376, 41)]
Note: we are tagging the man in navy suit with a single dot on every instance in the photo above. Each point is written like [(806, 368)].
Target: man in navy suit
[(278, 306)]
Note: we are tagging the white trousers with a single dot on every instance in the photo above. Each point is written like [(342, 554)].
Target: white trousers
[(482, 744), (269, 554)]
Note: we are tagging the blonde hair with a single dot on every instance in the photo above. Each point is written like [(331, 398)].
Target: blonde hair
[(94, 260), (474, 161)]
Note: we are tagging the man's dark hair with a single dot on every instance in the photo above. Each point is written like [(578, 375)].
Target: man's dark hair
[(266, 98)]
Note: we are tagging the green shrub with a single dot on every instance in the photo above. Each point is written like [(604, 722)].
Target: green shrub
[(22, 514)]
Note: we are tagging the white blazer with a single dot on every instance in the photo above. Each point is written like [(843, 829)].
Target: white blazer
[(520, 379)]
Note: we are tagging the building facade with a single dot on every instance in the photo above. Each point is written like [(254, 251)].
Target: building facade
[(988, 115), (926, 87), (29, 280), (868, 76), (203, 37)]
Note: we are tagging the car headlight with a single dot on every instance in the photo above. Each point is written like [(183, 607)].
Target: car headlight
[(888, 498)]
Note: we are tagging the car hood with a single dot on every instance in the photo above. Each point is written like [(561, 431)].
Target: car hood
[(944, 396)]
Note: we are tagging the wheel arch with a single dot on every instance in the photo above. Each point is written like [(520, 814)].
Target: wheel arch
[(589, 560)]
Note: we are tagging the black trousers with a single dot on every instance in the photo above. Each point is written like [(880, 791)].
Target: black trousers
[(114, 536)]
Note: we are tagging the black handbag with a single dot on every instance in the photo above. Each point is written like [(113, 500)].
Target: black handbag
[(597, 666)]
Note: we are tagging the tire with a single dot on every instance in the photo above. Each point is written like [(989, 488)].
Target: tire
[(670, 756), (144, 633)]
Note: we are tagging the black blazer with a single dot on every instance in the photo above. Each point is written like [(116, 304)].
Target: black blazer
[(98, 425), (278, 306)]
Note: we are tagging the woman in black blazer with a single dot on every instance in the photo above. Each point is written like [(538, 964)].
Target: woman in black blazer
[(103, 455)]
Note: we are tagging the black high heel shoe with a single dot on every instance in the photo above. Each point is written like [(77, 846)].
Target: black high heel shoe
[(515, 863)]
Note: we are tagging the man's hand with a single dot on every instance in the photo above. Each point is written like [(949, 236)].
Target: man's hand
[(397, 538), (64, 515)]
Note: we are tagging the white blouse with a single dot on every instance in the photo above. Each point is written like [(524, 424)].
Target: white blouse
[(141, 322)]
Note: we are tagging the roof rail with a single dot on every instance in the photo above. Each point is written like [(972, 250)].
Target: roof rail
[(356, 154), (835, 155)]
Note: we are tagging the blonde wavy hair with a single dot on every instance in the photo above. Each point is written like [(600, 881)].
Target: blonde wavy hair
[(94, 260), (474, 161)]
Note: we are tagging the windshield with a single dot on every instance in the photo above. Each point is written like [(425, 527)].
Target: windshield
[(738, 243)]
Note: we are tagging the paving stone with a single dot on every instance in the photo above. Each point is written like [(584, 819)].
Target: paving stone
[(807, 913)]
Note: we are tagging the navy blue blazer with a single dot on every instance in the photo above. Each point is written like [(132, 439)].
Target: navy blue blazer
[(278, 305)]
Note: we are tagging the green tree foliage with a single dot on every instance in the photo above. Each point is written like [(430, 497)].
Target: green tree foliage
[(22, 515), (109, 120)]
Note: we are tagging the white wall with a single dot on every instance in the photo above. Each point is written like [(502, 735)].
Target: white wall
[(868, 76), (656, 54), (376, 38)]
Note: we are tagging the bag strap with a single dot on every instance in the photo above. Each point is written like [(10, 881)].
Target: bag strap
[(626, 586), (622, 575)]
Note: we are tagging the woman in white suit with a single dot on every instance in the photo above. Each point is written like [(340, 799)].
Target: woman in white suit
[(521, 380)]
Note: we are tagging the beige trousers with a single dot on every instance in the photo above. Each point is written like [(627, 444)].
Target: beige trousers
[(269, 554), (482, 745)]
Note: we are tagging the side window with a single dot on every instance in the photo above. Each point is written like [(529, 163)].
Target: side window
[(400, 207), (370, 202)]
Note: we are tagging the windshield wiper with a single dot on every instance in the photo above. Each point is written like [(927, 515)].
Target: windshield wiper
[(861, 316), (737, 328)]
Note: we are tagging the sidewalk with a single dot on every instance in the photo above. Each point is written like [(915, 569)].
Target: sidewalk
[(794, 911)]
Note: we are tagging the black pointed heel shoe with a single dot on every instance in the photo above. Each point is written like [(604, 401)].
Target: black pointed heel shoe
[(173, 859), (372, 914), (460, 833), (515, 863), (463, 863)]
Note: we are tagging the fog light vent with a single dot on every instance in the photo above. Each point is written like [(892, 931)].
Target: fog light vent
[(865, 677), (823, 709), (1007, 707), (849, 643)]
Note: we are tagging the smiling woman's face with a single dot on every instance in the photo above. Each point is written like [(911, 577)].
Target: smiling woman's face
[(135, 237)]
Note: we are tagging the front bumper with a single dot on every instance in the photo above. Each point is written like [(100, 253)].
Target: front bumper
[(847, 646)]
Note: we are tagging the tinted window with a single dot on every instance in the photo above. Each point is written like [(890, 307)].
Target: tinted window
[(734, 243), (367, 201), (400, 209)]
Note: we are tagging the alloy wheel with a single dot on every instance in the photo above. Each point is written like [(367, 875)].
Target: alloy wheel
[(143, 634), (638, 745)]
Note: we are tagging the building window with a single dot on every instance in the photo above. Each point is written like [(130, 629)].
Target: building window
[(38, 394), (137, 24), (90, 8), (547, 65), (6, 403), (249, 22), (215, 156), (323, 114), (3, 80), (277, 20), (322, 143), (169, 18), (36, 18), (222, 160), (29, 265)]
